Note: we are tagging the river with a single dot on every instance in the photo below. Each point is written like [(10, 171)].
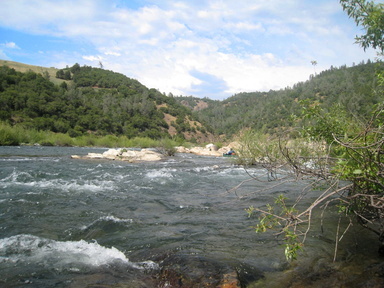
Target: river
[(76, 223)]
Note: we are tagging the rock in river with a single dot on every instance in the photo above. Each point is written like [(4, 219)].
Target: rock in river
[(124, 155)]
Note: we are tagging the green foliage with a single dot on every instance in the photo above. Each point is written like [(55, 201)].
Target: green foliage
[(370, 16), (257, 147), (352, 154), (115, 104), (292, 245), (278, 150), (109, 141), (9, 136), (361, 163), (266, 220), (320, 124), (58, 139), (18, 135), (268, 112), (270, 219), (96, 101), (64, 74), (339, 149), (356, 148), (142, 142), (166, 147)]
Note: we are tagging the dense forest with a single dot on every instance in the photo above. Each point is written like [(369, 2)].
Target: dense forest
[(93, 100), (351, 87), (86, 100)]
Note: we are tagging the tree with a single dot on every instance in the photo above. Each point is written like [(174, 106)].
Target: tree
[(67, 75), (314, 63), (370, 16), (75, 68), (338, 150)]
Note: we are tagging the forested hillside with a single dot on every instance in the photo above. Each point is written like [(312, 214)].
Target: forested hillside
[(93, 100), (82, 100), (352, 87)]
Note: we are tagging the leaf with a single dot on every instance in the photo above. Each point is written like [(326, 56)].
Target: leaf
[(357, 171)]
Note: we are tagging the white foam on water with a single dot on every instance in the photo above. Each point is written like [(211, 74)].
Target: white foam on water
[(108, 219), (92, 185), (115, 177), (15, 175), (147, 265), (116, 219), (15, 159), (63, 255), (162, 173), (35, 250), (27, 201), (161, 176), (17, 178), (203, 169)]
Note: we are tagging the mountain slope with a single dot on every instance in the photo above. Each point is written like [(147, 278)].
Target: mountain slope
[(80, 100), (351, 87)]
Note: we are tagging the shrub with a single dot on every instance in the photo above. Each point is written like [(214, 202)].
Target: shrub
[(166, 147), (8, 137), (109, 141)]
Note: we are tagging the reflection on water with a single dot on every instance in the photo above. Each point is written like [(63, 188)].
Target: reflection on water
[(70, 223)]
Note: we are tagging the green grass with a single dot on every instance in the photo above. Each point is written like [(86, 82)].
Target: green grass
[(18, 135)]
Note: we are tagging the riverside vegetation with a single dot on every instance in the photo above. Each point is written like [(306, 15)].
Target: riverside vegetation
[(328, 128), (335, 148)]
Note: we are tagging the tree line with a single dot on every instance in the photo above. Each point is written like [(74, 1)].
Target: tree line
[(352, 87)]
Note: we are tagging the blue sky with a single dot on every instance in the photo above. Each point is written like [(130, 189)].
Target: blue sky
[(204, 48)]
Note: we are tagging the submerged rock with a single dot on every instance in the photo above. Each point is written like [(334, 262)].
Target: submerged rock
[(124, 155), (196, 271), (193, 271)]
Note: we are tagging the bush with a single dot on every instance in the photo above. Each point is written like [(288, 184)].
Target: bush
[(109, 141), (166, 147), (61, 139), (85, 140), (8, 136), (142, 142)]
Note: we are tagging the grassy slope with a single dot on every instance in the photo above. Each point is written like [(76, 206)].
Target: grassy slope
[(37, 69)]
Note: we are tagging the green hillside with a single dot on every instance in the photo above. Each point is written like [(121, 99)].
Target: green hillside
[(352, 87), (81, 100), (85, 100)]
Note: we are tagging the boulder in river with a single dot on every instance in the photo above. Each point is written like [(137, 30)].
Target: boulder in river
[(208, 150), (124, 155)]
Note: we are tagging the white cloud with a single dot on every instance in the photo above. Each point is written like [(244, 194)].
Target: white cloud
[(6, 47), (241, 26), (92, 58), (175, 46), (11, 45), (113, 53)]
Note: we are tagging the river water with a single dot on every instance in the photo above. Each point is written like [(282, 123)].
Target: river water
[(76, 223)]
